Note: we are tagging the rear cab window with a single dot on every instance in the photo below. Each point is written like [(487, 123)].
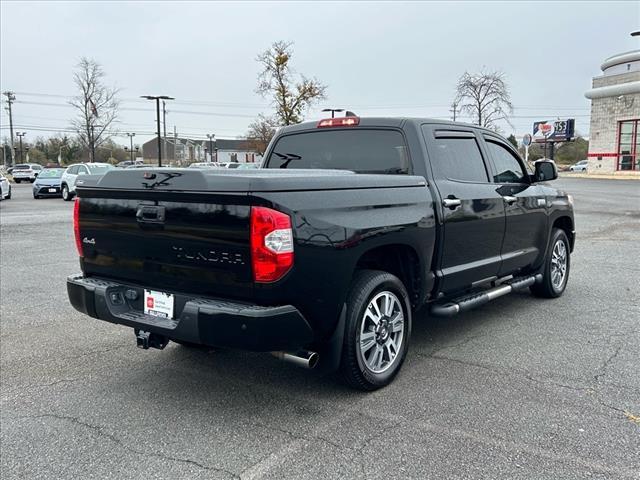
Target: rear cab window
[(358, 149)]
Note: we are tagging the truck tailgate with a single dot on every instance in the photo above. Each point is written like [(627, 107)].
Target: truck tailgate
[(178, 245)]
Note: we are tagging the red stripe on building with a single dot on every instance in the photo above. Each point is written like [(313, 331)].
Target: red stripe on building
[(602, 155)]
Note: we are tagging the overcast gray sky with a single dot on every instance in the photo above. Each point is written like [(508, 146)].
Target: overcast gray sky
[(377, 58)]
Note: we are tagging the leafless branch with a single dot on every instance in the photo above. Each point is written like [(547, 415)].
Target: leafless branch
[(96, 104), (485, 97)]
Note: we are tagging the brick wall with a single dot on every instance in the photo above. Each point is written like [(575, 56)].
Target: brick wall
[(605, 115)]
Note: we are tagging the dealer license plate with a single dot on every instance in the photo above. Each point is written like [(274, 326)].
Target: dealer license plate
[(52, 190), (159, 304)]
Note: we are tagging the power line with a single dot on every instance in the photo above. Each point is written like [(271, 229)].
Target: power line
[(132, 109), (226, 104), (115, 133)]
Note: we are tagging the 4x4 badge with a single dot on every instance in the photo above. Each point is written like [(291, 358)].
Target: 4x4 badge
[(90, 241)]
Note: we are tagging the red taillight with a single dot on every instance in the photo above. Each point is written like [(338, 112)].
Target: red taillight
[(271, 244), (339, 122), (76, 226)]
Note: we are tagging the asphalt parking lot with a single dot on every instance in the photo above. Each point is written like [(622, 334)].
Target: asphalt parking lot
[(521, 388)]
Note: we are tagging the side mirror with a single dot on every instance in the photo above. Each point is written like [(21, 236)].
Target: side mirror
[(545, 170)]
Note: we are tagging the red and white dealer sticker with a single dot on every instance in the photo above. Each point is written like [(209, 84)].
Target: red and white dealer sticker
[(159, 304)]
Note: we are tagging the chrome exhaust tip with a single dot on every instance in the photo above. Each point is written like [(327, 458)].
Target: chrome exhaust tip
[(301, 358)]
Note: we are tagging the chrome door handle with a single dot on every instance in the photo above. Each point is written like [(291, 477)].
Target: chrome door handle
[(451, 203), (509, 199)]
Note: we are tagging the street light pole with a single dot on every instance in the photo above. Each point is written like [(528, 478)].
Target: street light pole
[(211, 137), (131, 135), (157, 98), (93, 143), (20, 135)]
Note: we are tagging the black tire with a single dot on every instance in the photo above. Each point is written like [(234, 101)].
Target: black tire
[(66, 194), (548, 288), (36, 197), (17, 180), (8, 196), (365, 287)]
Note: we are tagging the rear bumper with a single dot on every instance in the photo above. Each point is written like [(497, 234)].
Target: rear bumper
[(206, 321)]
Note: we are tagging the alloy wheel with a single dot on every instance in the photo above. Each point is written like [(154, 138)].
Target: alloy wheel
[(381, 332)]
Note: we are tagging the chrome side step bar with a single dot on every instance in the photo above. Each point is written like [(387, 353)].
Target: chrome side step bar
[(473, 300)]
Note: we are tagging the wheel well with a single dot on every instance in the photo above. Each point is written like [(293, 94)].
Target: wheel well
[(565, 223), (399, 260)]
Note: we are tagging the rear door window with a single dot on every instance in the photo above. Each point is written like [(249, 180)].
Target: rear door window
[(359, 150), (459, 159)]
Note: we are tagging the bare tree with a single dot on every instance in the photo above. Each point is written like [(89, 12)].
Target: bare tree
[(485, 97), (260, 133), (291, 96), (96, 103)]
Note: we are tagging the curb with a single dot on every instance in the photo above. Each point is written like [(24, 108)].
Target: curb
[(598, 177)]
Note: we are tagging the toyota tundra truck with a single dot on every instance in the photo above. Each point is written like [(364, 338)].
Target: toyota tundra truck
[(322, 256)]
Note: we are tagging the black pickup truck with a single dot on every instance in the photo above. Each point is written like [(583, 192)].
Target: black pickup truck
[(323, 255)]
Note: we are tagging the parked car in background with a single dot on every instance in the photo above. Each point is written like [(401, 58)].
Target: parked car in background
[(48, 183), (248, 166), (128, 163), (71, 174), (26, 171), (206, 165), (581, 166), (5, 188)]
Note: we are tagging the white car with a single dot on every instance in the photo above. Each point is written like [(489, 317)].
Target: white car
[(71, 174), (5, 188), (206, 165), (26, 171), (581, 166)]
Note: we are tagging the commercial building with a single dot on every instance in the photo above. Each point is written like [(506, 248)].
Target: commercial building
[(183, 151), (614, 139)]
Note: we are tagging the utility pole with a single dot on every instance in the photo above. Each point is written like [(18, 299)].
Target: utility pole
[(164, 119), (164, 125), (92, 144), (10, 99), (21, 134), (211, 137), (131, 135), (157, 98), (175, 144), (454, 110)]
